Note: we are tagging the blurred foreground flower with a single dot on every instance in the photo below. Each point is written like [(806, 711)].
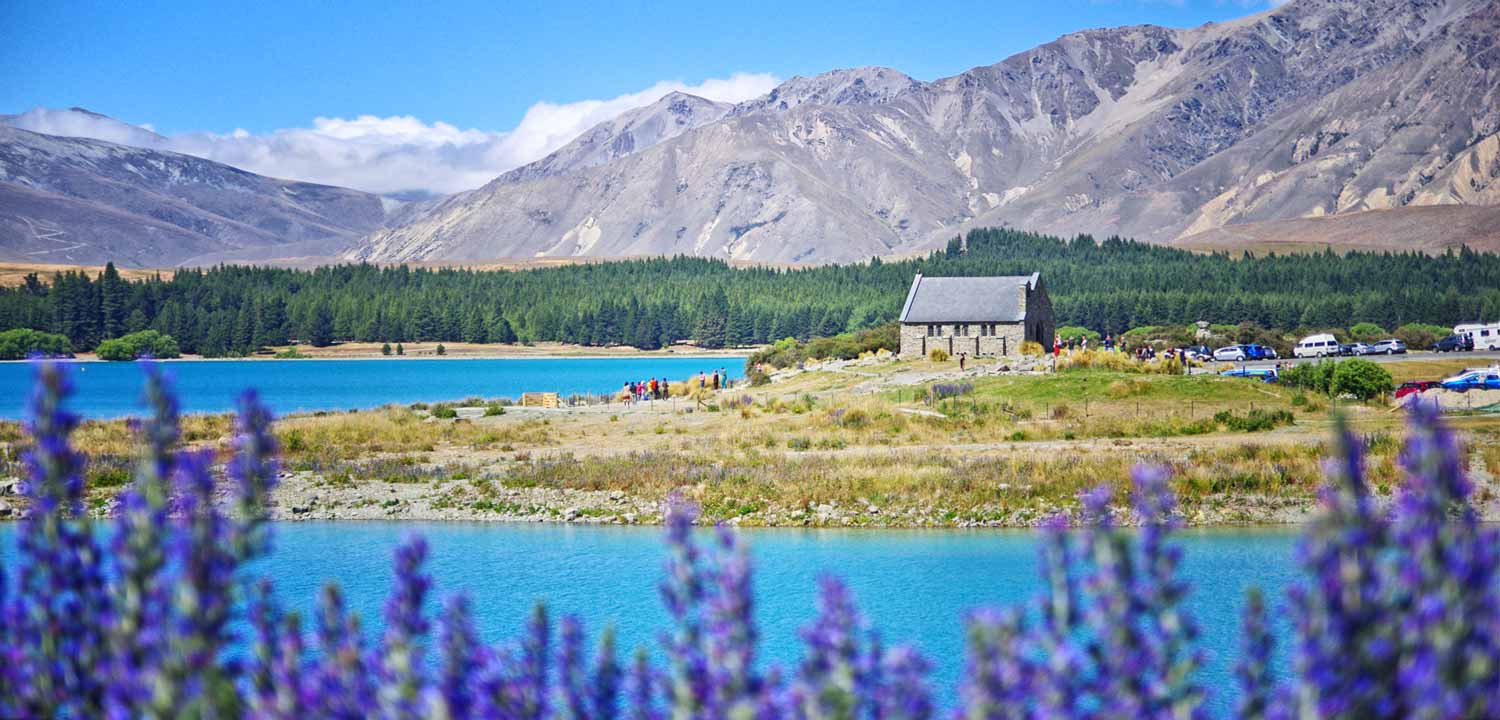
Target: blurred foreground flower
[(1399, 616)]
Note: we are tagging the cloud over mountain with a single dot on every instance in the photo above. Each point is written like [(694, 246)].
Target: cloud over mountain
[(391, 154)]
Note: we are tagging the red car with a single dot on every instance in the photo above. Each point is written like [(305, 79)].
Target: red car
[(1412, 388)]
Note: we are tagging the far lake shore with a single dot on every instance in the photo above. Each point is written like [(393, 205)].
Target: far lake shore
[(859, 444)]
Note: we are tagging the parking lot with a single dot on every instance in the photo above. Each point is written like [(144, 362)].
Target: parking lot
[(1478, 359)]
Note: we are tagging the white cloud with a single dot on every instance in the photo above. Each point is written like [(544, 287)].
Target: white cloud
[(398, 153)]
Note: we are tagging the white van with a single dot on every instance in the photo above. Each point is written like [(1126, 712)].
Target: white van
[(1485, 336), (1320, 345)]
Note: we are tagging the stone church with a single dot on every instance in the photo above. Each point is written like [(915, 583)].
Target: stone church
[(980, 316)]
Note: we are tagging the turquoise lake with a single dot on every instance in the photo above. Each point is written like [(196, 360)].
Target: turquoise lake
[(109, 390), (913, 586)]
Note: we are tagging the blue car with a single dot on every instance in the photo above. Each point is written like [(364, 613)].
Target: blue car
[(1262, 374), (1482, 379), (1259, 352)]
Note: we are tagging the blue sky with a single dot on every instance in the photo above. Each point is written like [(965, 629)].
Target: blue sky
[(264, 68)]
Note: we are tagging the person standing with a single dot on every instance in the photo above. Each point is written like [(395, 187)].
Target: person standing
[(962, 359)]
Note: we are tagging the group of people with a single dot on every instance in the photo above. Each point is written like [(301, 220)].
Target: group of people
[(714, 381), (1079, 342), (1110, 344), (652, 389), (661, 388)]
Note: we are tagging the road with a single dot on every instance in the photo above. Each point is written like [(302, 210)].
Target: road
[(1474, 359)]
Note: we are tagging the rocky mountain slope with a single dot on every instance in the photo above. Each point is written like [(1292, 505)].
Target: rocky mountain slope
[(79, 201), (1316, 108)]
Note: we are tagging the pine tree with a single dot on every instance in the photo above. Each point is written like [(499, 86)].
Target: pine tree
[(713, 321), (318, 331), (112, 297), (270, 321)]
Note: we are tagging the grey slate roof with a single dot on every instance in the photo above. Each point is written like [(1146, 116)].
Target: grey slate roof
[(967, 299)]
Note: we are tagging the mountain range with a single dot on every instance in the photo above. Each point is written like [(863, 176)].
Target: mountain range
[(1365, 123), (79, 201)]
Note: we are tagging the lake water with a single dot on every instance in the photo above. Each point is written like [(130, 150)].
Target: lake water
[(913, 586), (109, 390)]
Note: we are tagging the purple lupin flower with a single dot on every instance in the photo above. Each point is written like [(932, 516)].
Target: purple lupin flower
[(253, 470), (275, 672), (61, 597), (1345, 656), (462, 658), (1256, 681), (998, 680), (1443, 581), (832, 681), (265, 619), (688, 687), (343, 683), (401, 677), (203, 595), (1061, 683), (572, 701), (1172, 634), (903, 692), (605, 692), (641, 687), (139, 548), (731, 630)]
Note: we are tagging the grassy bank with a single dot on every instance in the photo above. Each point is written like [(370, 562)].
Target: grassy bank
[(860, 443)]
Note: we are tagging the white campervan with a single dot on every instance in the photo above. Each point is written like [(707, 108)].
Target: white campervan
[(1320, 345), (1485, 336)]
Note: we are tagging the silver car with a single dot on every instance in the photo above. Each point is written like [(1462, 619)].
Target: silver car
[(1388, 346), (1231, 353)]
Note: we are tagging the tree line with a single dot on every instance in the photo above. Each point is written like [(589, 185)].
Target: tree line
[(1110, 286)]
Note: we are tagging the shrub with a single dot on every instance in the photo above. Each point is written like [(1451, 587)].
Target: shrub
[(1418, 336), (1314, 376), (292, 353), (1255, 420), (21, 343), (1067, 332), (1395, 616), (1362, 379), (938, 355), (441, 350), (136, 345), (1032, 348), (1367, 331), (385, 348), (444, 412), (789, 352), (496, 409)]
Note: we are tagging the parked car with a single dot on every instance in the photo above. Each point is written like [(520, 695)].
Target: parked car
[(1416, 386), (1454, 343), (1313, 346), (1199, 353), (1476, 379), (1264, 374), (1353, 349), (1231, 353), (1259, 352), (1388, 346)]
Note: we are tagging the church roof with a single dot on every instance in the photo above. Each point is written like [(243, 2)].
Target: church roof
[(967, 299)]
